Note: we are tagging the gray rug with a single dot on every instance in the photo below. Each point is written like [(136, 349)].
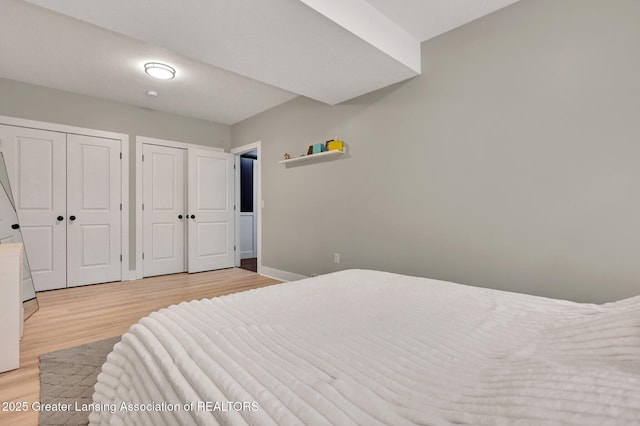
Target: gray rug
[(68, 376)]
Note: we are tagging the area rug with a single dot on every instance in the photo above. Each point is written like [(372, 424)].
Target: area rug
[(67, 378)]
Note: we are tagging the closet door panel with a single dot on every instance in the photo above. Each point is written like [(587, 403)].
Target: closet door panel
[(36, 164), (164, 202), (93, 205), (211, 210)]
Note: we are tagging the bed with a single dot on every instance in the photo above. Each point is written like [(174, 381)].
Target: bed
[(375, 348)]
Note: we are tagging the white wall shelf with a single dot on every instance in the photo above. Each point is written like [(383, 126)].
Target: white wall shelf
[(312, 157)]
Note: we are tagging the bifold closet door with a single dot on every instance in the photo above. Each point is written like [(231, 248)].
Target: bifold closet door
[(164, 214), (36, 164), (211, 210), (93, 207)]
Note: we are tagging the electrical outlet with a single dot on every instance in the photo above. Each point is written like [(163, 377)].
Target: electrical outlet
[(336, 257)]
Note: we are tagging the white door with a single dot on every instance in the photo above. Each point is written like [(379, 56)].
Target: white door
[(164, 210), (36, 165), (93, 207), (211, 210)]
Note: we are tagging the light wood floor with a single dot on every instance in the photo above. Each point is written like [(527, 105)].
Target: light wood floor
[(80, 315)]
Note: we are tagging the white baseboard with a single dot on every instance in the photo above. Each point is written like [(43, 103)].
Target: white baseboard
[(268, 272), (277, 274)]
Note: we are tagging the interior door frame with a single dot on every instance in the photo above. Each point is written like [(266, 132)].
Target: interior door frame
[(124, 171), (255, 146), (140, 141)]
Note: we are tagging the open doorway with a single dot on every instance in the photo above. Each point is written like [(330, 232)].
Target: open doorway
[(248, 242), (248, 207)]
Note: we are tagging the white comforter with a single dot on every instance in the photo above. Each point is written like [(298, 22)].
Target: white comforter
[(371, 348)]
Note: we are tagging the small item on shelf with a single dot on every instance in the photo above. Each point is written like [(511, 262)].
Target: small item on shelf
[(310, 150), (287, 156), (335, 145), (318, 148)]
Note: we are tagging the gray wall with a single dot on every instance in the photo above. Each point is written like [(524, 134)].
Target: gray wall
[(56, 106), (512, 162)]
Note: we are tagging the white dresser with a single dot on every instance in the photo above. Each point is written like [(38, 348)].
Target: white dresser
[(11, 313)]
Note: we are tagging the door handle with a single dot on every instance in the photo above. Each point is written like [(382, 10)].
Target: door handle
[(15, 226), (60, 218), (179, 216), (193, 216), (72, 218)]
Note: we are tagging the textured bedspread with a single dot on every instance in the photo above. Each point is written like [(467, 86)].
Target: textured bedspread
[(372, 348)]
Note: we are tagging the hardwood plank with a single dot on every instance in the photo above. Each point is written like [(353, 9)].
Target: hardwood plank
[(75, 316)]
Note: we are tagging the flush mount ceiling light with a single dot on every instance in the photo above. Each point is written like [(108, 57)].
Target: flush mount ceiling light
[(158, 70)]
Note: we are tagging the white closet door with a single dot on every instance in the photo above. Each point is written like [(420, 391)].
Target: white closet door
[(36, 165), (164, 214), (211, 210), (93, 206)]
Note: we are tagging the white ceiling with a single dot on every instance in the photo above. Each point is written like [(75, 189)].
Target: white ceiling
[(234, 58), (425, 19)]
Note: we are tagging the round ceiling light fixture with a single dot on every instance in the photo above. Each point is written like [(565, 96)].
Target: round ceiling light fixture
[(158, 70)]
